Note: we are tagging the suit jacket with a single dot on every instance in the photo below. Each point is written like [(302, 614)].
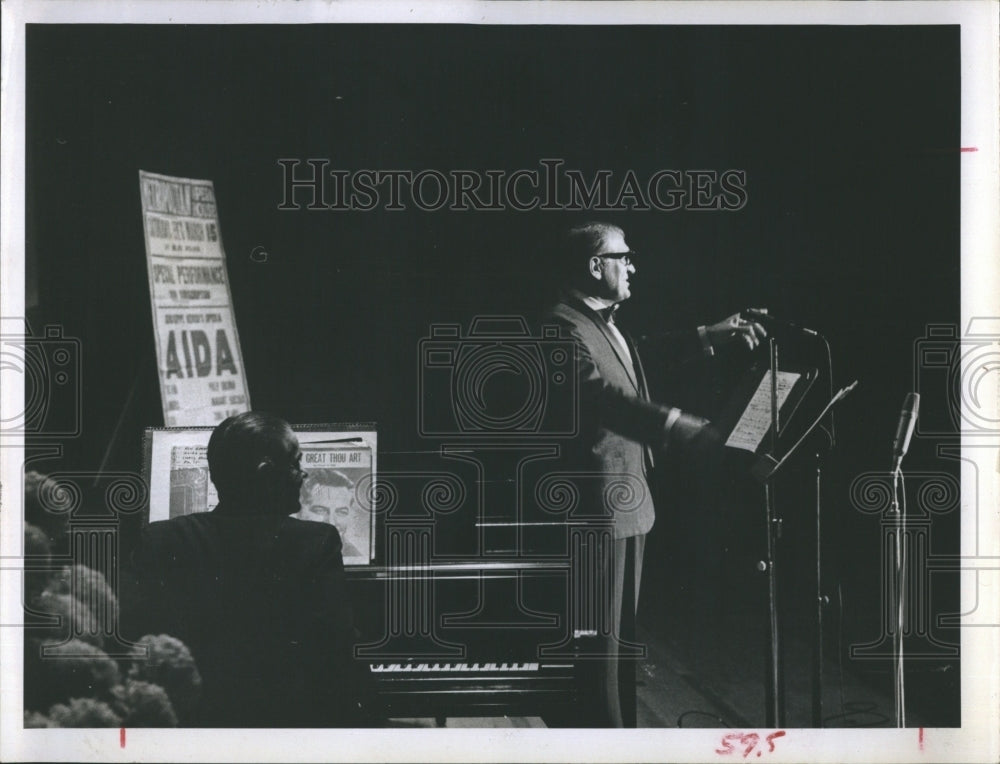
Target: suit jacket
[(620, 428), (260, 601)]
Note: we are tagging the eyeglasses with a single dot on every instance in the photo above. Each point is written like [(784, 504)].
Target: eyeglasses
[(625, 257)]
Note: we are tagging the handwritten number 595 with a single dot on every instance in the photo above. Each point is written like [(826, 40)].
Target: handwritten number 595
[(746, 742)]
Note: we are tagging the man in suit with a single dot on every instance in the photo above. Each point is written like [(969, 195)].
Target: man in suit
[(620, 431), (258, 596)]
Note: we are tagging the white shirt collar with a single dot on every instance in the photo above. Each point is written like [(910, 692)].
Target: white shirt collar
[(597, 304)]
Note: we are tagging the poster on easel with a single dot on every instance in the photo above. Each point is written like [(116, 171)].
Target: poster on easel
[(202, 378)]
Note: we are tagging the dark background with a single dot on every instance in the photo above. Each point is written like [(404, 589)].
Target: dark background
[(849, 138)]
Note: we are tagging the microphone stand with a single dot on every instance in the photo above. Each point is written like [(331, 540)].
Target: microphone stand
[(764, 471), (900, 587), (774, 711), (774, 715), (821, 599)]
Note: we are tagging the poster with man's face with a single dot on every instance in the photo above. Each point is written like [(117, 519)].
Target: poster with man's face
[(330, 494)]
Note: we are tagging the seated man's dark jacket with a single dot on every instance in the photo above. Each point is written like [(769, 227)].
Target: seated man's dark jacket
[(260, 600)]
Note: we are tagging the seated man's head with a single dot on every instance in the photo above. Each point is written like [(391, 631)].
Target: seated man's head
[(254, 462), (595, 259), (328, 497)]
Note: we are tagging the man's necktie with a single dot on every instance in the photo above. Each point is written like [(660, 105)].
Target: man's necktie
[(608, 313)]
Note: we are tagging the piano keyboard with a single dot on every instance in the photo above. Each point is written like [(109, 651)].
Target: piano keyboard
[(415, 668), (431, 668)]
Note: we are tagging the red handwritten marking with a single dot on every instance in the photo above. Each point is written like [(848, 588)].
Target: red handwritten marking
[(920, 738), (969, 149), (121, 737), (748, 740), (770, 738)]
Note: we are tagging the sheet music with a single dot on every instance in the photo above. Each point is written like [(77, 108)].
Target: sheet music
[(756, 418)]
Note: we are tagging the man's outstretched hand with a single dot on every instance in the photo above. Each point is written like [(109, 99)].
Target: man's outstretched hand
[(689, 429), (737, 329), (698, 440)]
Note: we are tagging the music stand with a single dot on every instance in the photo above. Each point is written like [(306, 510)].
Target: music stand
[(773, 398), (759, 412)]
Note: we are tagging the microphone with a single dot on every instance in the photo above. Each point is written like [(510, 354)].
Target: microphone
[(846, 391), (904, 430), (766, 318)]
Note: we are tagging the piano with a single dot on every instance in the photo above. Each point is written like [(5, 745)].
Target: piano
[(475, 637), (491, 604)]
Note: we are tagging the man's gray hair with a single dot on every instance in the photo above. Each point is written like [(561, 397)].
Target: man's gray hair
[(578, 245), (585, 240)]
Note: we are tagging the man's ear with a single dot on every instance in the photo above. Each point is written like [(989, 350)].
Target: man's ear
[(597, 267)]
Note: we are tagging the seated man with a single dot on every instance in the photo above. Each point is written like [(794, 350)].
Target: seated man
[(258, 596)]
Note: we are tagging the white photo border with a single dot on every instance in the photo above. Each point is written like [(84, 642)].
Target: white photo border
[(976, 740)]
